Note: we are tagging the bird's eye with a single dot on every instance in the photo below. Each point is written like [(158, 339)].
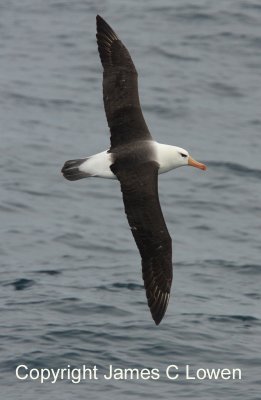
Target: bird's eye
[(183, 155)]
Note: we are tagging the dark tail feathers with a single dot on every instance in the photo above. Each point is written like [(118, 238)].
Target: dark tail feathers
[(71, 170)]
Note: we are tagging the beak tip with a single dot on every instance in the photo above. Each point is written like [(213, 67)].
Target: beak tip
[(196, 164)]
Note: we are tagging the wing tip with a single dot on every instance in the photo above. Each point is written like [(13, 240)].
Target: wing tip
[(99, 19), (158, 318), (105, 38), (157, 321), (157, 292), (104, 28), (158, 307)]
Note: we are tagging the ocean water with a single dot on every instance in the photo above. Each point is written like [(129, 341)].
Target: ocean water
[(71, 284)]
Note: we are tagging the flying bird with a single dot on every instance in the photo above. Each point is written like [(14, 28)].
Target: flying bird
[(135, 159)]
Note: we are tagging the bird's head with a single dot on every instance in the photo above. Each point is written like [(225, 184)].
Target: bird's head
[(183, 158)]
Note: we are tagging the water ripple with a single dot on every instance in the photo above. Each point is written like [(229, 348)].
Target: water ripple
[(237, 169), (21, 284)]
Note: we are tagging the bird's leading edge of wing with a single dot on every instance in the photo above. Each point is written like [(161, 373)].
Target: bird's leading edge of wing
[(120, 89)]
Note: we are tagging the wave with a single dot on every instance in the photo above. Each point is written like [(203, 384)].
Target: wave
[(232, 318), (174, 56), (247, 268), (21, 284), (223, 89), (50, 272), (64, 104), (237, 169), (116, 286)]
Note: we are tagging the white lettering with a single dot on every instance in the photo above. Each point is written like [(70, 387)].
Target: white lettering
[(34, 373), (92, 372), (225, 373), (18, 374), (188, 376), (213, 374), (44, 377), (56, 373), (201, 373), (155, 373), (131, 373), (236, 373), (76, 375), (173, 366), (110, 373)]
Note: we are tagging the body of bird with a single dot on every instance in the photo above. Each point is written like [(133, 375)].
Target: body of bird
[(168, 157)]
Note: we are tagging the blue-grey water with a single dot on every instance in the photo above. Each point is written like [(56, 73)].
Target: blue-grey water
[(71, 284)]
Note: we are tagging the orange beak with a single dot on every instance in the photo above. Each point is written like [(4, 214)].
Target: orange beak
[(196, 164)]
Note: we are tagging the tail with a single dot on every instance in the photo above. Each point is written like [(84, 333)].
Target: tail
[(71, 170)]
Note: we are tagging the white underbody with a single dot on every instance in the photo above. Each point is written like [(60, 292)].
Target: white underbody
[(167, 156)]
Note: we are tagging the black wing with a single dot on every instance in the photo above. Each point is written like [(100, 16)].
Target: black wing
[(120, 89), (139, 186)]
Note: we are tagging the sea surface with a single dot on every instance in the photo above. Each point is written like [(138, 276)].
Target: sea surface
[(71, 285)]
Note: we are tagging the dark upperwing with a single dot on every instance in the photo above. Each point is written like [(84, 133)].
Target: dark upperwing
[(139, 186), (120, 89)]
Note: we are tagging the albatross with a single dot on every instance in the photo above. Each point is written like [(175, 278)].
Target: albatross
[(135, 160)]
